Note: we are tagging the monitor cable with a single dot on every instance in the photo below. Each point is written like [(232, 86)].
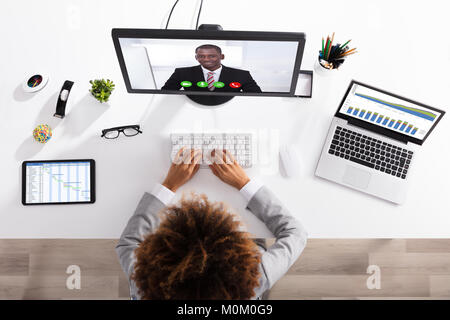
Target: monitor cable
[(198, 16), (173, 7), (170, 14)]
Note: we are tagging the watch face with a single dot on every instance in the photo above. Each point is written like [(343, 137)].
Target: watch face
[(34, 81)]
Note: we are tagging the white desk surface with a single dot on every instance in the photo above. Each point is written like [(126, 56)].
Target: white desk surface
[(402, 46)]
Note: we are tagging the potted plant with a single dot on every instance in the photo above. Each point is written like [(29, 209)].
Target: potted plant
[(101, 89)]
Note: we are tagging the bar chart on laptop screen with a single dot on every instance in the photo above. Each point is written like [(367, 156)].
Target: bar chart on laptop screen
[(389, 112), (53, 182)]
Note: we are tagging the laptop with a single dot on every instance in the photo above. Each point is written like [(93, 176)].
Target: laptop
[(373, 140)]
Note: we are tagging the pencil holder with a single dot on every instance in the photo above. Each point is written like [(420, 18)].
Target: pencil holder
[(331, 57), (322, 70)]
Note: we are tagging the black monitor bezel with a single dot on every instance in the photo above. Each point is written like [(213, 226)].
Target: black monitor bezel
[(92, 179), (378, 129), (210, 35)]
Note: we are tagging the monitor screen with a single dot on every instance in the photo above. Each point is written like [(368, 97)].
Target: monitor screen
[(209, 62), (388, 111)]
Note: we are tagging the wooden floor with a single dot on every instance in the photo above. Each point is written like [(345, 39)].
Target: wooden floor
[(327, 269)]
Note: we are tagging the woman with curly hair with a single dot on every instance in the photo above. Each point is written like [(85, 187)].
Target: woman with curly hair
[(196, 249)]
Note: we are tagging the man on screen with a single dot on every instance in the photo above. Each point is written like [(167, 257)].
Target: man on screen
[(211, 75)]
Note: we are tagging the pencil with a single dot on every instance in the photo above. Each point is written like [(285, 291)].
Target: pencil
[(347, 52), (331, 43), (350, 50), (329, 49), (335, 52), (331, 53), (343, 46), (322, 47), (326, 48)]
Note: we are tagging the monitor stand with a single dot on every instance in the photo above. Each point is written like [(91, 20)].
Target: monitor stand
[(210, 100)]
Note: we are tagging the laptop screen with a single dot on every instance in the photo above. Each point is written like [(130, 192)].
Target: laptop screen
[(390, 112)]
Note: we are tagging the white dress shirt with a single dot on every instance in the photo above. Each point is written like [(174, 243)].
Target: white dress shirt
[(216, 73), (165, 195)]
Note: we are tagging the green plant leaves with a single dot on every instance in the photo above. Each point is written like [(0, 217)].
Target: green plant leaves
[(101, 89)]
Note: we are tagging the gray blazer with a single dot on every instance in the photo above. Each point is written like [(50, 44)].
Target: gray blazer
[(275, 262)]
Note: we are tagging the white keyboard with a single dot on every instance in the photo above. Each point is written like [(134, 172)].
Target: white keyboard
[(238, 144)]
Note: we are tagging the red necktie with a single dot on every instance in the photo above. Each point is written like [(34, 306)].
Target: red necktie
[(210, 81)]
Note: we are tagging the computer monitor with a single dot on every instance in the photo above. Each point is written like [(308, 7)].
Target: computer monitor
[(244, 63)]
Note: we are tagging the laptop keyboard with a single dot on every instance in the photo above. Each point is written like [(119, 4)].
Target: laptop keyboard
[(370, 152)]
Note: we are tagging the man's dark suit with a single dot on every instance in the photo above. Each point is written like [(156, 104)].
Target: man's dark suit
[(227, 75)]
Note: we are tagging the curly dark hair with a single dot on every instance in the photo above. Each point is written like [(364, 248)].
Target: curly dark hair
[(198, 252)]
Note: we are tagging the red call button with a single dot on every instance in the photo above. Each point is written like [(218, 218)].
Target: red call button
[(235, 85)]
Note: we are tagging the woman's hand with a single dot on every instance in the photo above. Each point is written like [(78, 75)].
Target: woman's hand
[(226, 168), (184, 166)]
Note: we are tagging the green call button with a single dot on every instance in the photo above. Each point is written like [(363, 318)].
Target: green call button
[(186, 84), (219, 84), (202, 84)]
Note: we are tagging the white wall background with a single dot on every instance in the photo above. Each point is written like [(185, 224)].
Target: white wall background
[(403, 47)]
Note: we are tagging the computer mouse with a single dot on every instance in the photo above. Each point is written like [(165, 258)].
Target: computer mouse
[(290, 159)]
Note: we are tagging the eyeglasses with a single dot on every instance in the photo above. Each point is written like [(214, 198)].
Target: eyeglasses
[(129, 131)]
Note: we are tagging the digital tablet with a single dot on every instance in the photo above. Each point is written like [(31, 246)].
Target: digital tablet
[(58, 182)]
